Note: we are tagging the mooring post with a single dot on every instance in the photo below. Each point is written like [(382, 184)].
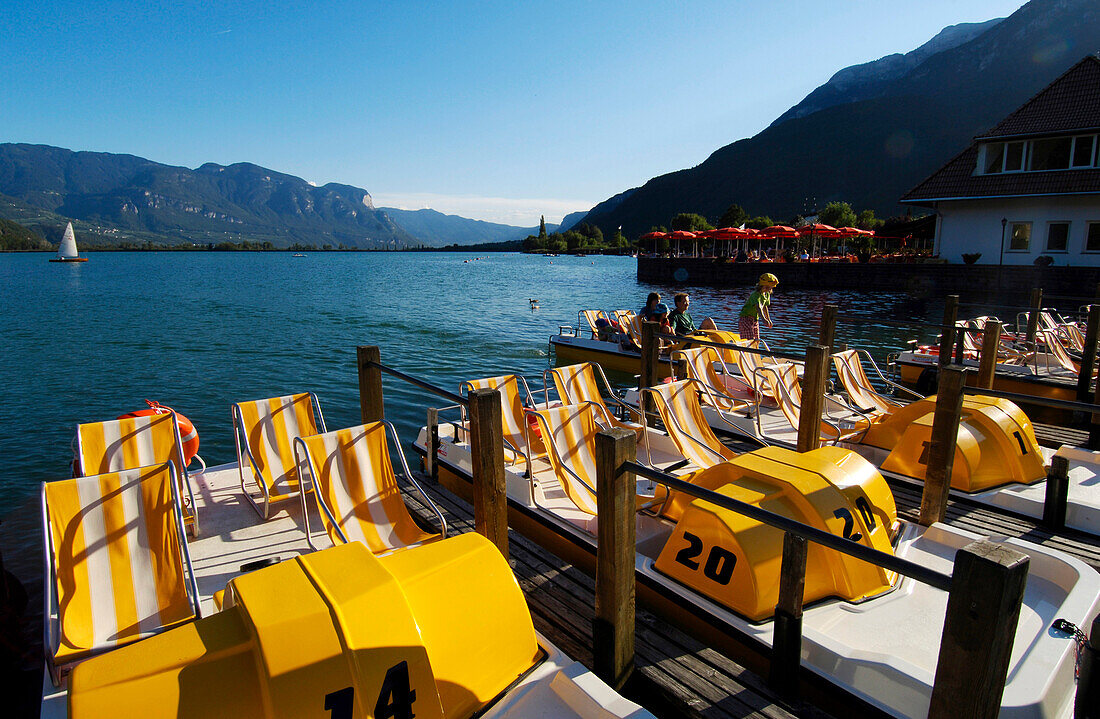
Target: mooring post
[(941, 446), (827, 331), (648, 378), (960, 343), (613, 625), (1033, 315), (487, 451), (987, 367), (787, 636), (1088, 354), (983, 609), (370, 383), (813, 397), (431, 463), (1054, 505), (947, 338)]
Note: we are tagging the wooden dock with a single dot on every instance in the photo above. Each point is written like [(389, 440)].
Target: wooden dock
[(675, 675)]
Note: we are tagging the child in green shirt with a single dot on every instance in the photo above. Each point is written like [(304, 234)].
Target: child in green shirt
[(757, 305)]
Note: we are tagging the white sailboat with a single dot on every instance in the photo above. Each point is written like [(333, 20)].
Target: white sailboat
[(66, 251)]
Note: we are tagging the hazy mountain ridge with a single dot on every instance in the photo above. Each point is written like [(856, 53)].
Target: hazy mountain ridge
[(210, 203), (437, 229), (871, 151)]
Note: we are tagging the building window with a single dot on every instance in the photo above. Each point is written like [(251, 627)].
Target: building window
[(1057, 236), (1092, 240), (1052, 154), (1014, 156), (1021, 237), (994, 158), (1083, 148)]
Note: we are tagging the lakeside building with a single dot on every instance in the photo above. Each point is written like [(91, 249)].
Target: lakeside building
[(1028, 187)]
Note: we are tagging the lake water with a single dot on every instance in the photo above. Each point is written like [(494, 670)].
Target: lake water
[(198, 330)]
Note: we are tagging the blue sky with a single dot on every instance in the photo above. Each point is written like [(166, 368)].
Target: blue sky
[(493, 110)]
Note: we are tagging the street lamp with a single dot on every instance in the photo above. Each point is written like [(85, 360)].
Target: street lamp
[(1001, 261)]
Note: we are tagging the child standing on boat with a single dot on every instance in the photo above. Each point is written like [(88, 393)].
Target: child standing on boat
[(757, 305)]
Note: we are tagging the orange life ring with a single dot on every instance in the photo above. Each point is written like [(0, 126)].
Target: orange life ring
[(188, 434)]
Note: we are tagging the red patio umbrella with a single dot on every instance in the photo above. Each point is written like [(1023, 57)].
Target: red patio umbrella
[(779, 232), (682, 235), (654, 236), (728, 234)]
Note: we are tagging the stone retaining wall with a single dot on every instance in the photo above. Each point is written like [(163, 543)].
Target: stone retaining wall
[(975, 283)]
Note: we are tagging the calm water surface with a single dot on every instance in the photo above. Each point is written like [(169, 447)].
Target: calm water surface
[(196, 330)]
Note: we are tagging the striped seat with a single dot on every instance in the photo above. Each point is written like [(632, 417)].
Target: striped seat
[(719, 390), (678, 405), (356, 490), (788, 393), (265, 430), (134, 442), (572, 432), (577, 384), (590, 316), (117, 563), (858, 386), (516, 436)]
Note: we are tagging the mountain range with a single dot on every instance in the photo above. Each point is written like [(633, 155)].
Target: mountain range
[(874, 131), (437, 229)]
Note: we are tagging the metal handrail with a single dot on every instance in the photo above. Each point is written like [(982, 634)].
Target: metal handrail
[(1033, 399), (939, 580), (456, 398), (725, 345)]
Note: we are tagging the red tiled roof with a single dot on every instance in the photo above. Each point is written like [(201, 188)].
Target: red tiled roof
[(1072, 102)]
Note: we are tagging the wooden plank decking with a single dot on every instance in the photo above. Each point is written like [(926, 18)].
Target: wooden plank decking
[(675, 674)]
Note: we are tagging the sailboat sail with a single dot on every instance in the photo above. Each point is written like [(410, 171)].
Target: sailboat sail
[(67, 250)]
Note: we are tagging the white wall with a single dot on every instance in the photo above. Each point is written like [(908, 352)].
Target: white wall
[(975, 226)]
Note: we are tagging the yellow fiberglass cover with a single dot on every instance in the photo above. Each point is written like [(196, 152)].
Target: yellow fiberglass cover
[(735, 561), (337, 633), (996, 443)]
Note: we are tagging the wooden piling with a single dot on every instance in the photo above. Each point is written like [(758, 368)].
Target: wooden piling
[(991, 341), (947, 337), (370, 383), (487, 453), (787, 636), (813, 397), (1057, 494), (983, 609), (941, 447), (613, 625), (827, 331), (1088, 354), (650, 359), (1033, 315), (960, 343), (431, 463)]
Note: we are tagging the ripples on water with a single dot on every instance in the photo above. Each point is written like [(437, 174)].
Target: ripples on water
[(89, 341)]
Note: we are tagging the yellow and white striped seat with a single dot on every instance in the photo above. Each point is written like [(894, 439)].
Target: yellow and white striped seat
[(117, 563), (678, 405), (590, 316), (356, 490), (719, 390), (572, 430), (134, 442), (577, 384), (788, 393), (858, 386), (516, 438), (267, 429)]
